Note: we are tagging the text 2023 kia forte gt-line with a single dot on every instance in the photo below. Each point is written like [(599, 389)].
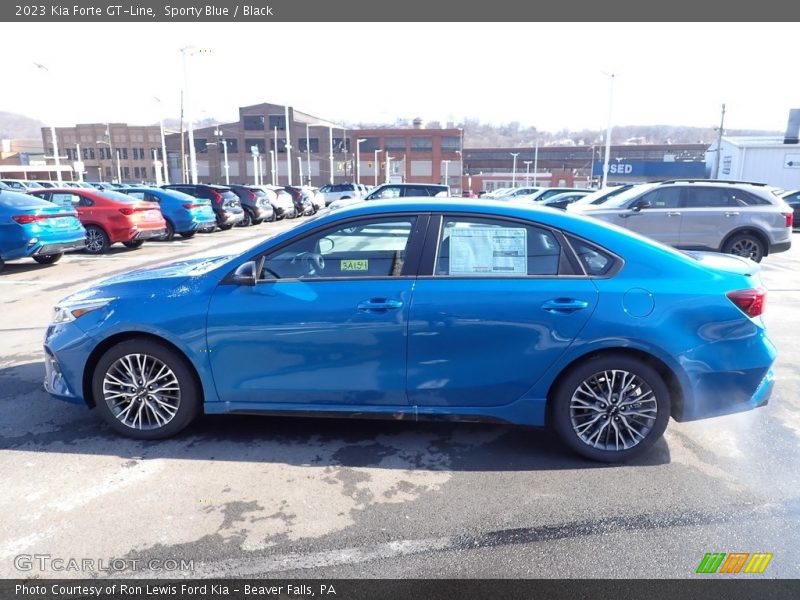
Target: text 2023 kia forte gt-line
[(426, 309)]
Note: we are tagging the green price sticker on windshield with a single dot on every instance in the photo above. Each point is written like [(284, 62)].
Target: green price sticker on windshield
[(355, 265)]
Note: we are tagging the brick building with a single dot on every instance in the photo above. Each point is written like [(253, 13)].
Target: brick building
[(109, 151)]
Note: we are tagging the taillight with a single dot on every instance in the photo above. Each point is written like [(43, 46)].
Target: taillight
[(25, 219), (126, 211), (190, 206), (750, 302), (789, 219), (217, 197)]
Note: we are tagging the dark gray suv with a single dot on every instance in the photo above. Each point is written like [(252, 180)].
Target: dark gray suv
[(742, 218)]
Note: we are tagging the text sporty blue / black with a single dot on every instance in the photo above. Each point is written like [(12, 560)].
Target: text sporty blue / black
[(426, 309)]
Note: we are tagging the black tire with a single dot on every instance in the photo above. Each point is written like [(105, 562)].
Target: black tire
[(746, 245), (48, 259), (247, 219), (258, 221), (188, 234), (133, 244), (2, 264), (169, 234), (97, 241), (648, 394), (186, 406), (224, 227)]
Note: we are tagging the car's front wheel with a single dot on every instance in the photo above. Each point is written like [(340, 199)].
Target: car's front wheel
[(611, 407), (145, 390), (745, 245), (48, 259), (133, 244)]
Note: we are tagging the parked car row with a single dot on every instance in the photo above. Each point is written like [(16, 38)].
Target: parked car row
[(44, 222)]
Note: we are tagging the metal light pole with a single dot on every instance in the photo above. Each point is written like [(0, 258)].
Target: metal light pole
[(300, 169), (288, 143), (308, 155), (358, 159), (446, 165), (119, 170), (608, 131), (224, 142), (460, 172), (164, 167), (719, 144), (389, 160), (276, 177), (514, 169), (536, 163), (272, 164), (376, 165), (527, 172)]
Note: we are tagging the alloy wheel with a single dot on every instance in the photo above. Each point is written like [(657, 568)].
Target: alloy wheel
[(613, 410), (141, 391)]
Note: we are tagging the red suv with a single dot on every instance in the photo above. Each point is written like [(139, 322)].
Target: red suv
[(109, 217)]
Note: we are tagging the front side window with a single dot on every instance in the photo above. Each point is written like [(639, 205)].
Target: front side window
[(366, 248), (476, 247), (662, 198), (386, 192)]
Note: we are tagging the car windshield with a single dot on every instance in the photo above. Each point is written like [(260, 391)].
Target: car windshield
[(16, 200), (629, 194), (602, 195)]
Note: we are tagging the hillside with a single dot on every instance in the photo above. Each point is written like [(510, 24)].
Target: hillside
[(14, 126)]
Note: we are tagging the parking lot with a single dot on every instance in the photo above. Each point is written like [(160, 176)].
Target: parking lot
[(252, 496)]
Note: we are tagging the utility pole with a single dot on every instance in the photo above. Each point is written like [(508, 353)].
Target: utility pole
[(719, 143)]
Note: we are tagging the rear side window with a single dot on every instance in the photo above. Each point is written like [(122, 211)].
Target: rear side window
[(709, 197), (595, 261), (742, 198), (476, 247), (421, 191)]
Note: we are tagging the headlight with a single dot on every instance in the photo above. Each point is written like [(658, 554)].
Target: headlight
[(69, 312)]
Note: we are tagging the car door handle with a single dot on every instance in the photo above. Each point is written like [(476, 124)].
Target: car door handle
[(731, 214), (379, 305), (564, 305), (673, 214)]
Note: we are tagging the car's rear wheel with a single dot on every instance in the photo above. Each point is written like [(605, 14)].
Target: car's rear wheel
[(97, 241), (133, 244), (48, 259), (145, 390), (169, 233), (746, 245), (188, 234), (225, 227), (246, 221), (611, 407)]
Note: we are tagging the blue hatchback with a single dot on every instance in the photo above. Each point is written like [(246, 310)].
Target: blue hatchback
[(471, 310), (184, 214), (35, 228)]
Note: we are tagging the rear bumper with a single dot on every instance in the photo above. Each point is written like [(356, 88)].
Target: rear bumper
[(744, 382), (780, 247), (59, 248), (148, 234)]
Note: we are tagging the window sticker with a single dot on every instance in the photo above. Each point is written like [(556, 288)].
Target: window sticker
[(354, 265), (482, 250)]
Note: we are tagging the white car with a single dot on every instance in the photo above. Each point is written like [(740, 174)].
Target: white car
[(281, 201), (340, 191)]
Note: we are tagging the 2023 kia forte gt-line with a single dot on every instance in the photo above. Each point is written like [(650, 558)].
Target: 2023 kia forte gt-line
[(426, 309)]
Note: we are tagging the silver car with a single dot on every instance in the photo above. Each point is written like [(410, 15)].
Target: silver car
[(746, 219)]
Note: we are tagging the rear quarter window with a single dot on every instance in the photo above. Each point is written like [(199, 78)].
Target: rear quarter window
[(594, 260)]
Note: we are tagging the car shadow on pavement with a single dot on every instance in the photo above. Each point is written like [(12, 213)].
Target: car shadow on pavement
[(31, 421)]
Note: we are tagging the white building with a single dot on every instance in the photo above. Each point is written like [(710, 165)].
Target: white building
[(760, 159)]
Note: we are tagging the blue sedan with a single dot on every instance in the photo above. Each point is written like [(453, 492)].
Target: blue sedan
[(184, 214), (35, 228), (478, 311)]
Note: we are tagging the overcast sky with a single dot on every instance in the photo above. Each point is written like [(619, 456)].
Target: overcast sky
[(548, 75)]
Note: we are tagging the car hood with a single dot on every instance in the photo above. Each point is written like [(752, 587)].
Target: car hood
[(728, 263)]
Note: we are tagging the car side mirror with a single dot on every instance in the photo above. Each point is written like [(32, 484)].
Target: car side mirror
[(640, 205), (246, 273)]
